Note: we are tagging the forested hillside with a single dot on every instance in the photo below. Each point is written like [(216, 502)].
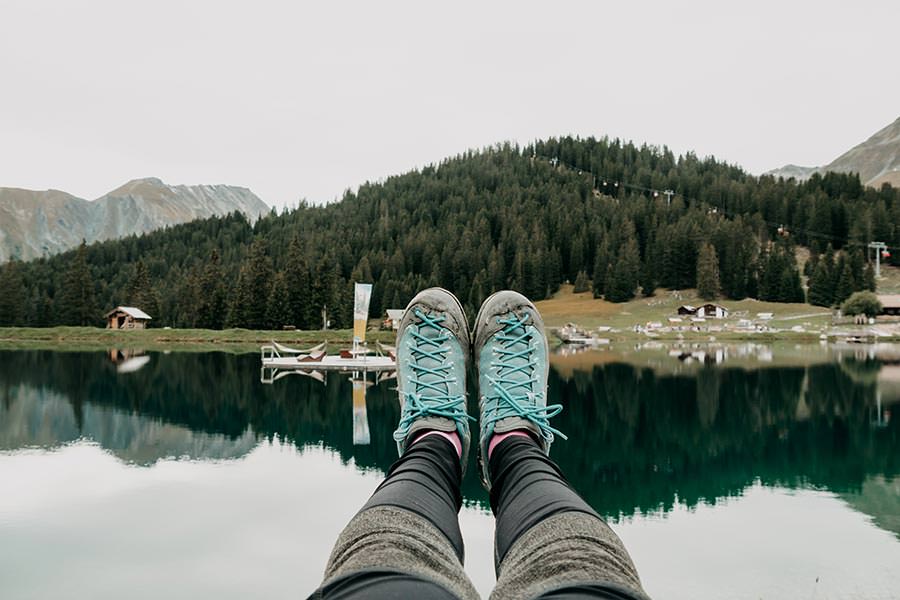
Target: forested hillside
[(527, 218)]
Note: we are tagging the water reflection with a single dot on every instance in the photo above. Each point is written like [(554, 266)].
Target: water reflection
[(127, 360), (33, 417), (650, 433)]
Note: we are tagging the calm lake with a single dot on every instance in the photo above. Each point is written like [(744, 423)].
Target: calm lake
[(741, 471)]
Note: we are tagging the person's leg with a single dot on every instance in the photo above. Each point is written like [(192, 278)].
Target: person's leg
[(405, 542), (549, 543)]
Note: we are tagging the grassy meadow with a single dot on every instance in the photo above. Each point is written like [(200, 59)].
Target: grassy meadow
[(586, 311)]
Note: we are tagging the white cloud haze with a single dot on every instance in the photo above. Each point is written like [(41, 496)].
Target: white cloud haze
[(302, 100)]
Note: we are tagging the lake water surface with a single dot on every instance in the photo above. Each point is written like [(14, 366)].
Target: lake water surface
[(729, 471)]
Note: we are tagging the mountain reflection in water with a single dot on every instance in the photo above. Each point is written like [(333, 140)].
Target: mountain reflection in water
[(642, 439)]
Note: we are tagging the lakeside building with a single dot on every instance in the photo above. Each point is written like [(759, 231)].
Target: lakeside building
[(890, 304), (687, 309), (704, 311), (392, 317), (127, 317)]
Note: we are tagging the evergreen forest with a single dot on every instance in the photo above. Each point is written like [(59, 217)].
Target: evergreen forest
[(594, 212)]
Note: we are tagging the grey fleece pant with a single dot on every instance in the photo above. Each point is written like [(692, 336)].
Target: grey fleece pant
[(549, 543), (565, 549)]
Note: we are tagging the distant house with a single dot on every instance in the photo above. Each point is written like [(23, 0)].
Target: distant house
[(127, 317), (392, 318), (687, 309), (712, 311), (890, 304)]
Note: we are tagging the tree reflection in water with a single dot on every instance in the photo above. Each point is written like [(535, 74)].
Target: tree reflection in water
[(639, 440)]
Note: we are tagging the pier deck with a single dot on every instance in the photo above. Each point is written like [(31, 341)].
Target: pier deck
[(331, 363)]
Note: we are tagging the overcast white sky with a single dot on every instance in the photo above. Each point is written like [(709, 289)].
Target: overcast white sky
[(303, 100)]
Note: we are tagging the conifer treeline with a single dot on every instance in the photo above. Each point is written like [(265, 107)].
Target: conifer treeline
[(482, 221)]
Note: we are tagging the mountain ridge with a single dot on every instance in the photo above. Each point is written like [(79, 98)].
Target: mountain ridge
[(877, 160), (35, 223)]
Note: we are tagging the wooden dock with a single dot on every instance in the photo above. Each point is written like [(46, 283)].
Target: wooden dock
[(331, 363), (279, 361)]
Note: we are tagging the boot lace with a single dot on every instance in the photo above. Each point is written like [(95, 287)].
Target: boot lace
[(516, 382), (429, 395)]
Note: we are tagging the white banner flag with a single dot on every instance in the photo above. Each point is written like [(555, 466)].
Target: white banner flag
[(361, 297)]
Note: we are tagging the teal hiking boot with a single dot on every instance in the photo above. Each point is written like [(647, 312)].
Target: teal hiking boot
[(432, 356), (512, 356)]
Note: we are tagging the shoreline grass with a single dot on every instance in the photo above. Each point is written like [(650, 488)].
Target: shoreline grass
[(227, 340)]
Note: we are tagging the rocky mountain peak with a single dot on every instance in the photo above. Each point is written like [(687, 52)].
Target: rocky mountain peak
[(39, 223)]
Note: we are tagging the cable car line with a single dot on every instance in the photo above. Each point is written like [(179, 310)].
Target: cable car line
[(780, 228)]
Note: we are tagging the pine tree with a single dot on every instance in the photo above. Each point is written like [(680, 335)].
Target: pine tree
[(845, 284), (251, 296), (43, 311), (297, 279), (820, 293), (528, 275), (497, 276), (769, 275), (278, 309), (707, 272), (858, 268), (623, 279), (341, 315), (810, 266), (581, 283), (647, 280), (78, 306), (554, 271), (869, 278), (576, 255), (832, 269), (476, 290), (790, 288), (140, 292), (538, 273), (211, 304), (12, 295), (601, 266), (820, 219), (324, 290), (241, 296)]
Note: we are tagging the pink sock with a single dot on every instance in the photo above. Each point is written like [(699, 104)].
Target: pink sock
[(449, 435), (499, 437)]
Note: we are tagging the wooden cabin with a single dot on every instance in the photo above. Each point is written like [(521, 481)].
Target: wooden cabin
[(890, 304), (392, 318), (712, 311), (687, 309), (127, 317)]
